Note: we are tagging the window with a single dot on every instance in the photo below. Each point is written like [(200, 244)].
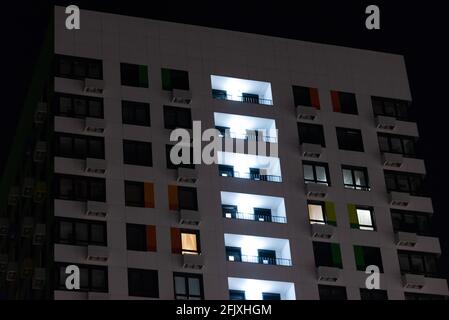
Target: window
[(350, 139), (78, 68), (74, 106), (136, 113), (418, 263), (405, 182), (187, 198), (266, 256), (185, 241), (408, 221), (237, 295), (234, 254), (143, 283), (140, 237), (397, 144), (250, 98), (174, 79), (92, 278), (270, 296), (137, 153), (315, 172), (171, 165), (262, 214), (80, 232), (373, 294), (219, 94), (355, 178), (367, 256), (316, 212), (332, 292), (78, 188), (361, 217), (78, 146), (423, 296), (344, 102), (225, 170), (327, 254), (188, 286), (307, 97), (175, 117), (311, 133), (139, 194), (399, 109), (134, 75)]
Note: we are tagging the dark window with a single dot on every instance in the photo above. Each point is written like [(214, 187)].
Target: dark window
[(225, 170), (237, 295), (327, 254), (74, 106), (234, 254), (171, 165), (78, 146), (188, 286), (219, 94), (78, 68), (332, 292), (397, 144), (423, 296), (136, 113), (136, 237), (315, 172), (306, 97), (134, 194), (266, 256), (405, 182), (408, 221), (80, 232), (92, 278), (187, 198), (350, 139), (143, 283), (418, 263), (399, 109), (344, 102), (373, 294), (175, 79), (175, 117), (250, 98), (134, 75), (367, 256), (137, 153), (262, 214), (355, 178), (270, 296), (229, 211), (311, 133), (78, 188)]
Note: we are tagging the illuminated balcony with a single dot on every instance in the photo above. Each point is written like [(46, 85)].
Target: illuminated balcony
[(253, 207), (241, 90), (254, 289)]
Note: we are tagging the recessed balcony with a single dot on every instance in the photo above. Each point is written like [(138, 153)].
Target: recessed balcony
[(254, 289)]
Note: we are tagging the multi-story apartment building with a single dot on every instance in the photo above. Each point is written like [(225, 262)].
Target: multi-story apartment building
[(340, 189)]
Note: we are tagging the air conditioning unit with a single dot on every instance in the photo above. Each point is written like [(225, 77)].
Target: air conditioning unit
[(392, 160), (3, 262), (399, 199), (317, 191), (192, 261), (95, 86), (39, 278), (189, 217), (40, 231), (181, 96), (97, 253), (40, 192), (306, 113), (406, 239), (27, 269), (328, 274), (322, 231), (310, 150), (27, 227), (11, 272), (40, 152), (97, 166), (13, 196), (186, 175), (4, 227), (94, 125), (28, 188), (40, 115), (385, 123), (413, 281), (96, 209)]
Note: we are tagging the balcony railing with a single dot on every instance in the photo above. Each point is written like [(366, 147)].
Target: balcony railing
[(246, 99), (252, 176), (253, 217), (260, 260), (252, 137)]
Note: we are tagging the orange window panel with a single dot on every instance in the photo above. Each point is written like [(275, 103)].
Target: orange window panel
[(314, 98), (151, 238), (176, 243), (335, 101), (148, 194), (173, 202)]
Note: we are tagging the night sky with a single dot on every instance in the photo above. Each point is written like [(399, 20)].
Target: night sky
[(416, 30)]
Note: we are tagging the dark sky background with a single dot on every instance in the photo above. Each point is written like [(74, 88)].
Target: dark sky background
[(417, 30)]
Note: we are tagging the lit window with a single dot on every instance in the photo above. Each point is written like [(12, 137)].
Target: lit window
[(365, 219), (316, 214), (189, 243)]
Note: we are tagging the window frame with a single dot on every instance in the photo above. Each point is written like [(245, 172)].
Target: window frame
[(74, 223), (143, 290), (75, 180), (314, 166), (134, 158), (139, 184), (402, 140), (197, 238), (380, 104), (170, 75), (72, 154), (321, 140), (72, 114), (416, 227), (397, 175), (373, 222), (345, 134), (354, 186), (90, 269), (323, 211), (74, 60), (187, 277), (132, 107), (422, 256), (126, 75)]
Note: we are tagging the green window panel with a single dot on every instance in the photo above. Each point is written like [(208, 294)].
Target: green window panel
[(359, 258), (143, 76), (353, 219), (336, 255)]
